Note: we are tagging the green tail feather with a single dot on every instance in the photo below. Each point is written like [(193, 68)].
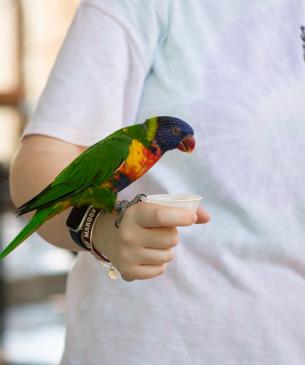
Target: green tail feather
[(37, 220)]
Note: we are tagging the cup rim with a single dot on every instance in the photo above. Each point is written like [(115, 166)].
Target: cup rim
[(176, 197)]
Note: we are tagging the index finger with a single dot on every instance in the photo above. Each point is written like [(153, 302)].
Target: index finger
[(203, 215), (151, 215)]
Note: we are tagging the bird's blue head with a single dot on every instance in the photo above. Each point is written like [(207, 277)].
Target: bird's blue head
[(173, 133)]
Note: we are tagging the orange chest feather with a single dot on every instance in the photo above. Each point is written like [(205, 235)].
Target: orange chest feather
[(139, 160)]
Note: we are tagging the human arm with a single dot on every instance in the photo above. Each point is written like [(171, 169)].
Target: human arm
[(37, 162), (147, 234)]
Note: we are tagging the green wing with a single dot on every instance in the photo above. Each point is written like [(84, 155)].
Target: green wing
[(91, 168)]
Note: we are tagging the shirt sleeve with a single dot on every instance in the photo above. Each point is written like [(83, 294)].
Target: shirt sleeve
[(95, 85)]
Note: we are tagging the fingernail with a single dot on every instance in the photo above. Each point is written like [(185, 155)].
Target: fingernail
[(194, 218)]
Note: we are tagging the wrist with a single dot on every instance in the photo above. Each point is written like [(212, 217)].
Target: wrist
[(97, 248), (75, 222), (88, 225), (82, 224), (98, 235)]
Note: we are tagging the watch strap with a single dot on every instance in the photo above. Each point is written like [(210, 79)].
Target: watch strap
[(74, 223), (76, 217)]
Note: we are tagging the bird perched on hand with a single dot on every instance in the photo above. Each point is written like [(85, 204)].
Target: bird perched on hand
[(99, 173)]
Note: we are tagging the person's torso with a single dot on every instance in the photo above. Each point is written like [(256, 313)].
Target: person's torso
[(235, 292)]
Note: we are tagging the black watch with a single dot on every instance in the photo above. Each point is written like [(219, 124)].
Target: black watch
[(75, 223)]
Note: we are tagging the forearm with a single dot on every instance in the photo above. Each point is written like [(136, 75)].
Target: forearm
[(37, 162)]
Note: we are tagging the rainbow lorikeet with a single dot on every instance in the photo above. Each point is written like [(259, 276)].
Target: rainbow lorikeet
[(99, 173)]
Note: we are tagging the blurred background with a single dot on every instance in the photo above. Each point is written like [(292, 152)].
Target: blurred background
[(32, 281)]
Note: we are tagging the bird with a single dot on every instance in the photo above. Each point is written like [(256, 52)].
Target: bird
[(97, 175)]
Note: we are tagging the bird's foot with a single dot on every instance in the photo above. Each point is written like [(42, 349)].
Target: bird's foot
[(121, 207)]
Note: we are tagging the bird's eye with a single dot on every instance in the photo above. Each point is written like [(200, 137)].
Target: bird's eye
[(176, 131)]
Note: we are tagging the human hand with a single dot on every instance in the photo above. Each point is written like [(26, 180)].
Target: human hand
[(144, 244)]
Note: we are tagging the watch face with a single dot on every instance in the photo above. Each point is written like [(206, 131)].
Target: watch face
[(76, 216)]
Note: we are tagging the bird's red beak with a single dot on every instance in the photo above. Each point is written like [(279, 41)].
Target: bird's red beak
[(187, 144)]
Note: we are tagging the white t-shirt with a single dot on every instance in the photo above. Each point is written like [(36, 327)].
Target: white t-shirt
[(235, 70)]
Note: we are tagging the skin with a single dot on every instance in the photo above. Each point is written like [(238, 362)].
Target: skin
[(146, 240)]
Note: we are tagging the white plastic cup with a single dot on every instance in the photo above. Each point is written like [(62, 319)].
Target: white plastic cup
[(188, 201)]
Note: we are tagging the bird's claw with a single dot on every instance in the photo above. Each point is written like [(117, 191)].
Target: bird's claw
[(121, 207)]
